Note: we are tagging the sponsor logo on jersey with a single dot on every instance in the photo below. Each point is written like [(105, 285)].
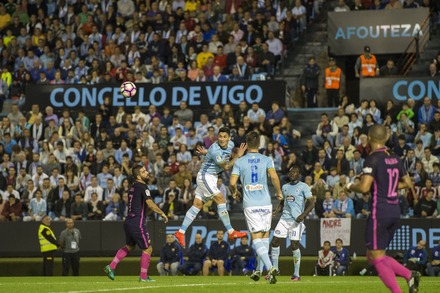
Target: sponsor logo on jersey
[(254, 187), (290, 198), (266, 211)]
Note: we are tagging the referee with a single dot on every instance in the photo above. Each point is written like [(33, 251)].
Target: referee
[(69, 241)]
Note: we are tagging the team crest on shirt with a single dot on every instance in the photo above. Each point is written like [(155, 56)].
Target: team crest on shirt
[(277, 232), (290, 198), (219, 158)]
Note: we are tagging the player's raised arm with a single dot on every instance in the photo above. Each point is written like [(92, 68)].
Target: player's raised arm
[(228, 165), (156, 209)]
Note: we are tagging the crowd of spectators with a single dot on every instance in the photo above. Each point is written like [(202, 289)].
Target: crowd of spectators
[(335, 154), (79, 167), (91, 41)]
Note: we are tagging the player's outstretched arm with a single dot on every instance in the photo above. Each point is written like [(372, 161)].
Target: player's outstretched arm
[(276, 183), (156, 209), (228, 165), (201, 150)]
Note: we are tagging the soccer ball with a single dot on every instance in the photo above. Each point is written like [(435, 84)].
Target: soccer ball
[(128, 89)]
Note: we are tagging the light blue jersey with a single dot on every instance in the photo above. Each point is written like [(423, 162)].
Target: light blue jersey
[(216, 156), (252, 170), (295, 196)]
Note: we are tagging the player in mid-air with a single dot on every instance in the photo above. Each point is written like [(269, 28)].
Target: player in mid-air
[(296, 204), (217, 159), (252, 169), (135, 224), (383, 175)]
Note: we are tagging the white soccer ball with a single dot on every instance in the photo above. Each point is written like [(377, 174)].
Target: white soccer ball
[(128, 89)]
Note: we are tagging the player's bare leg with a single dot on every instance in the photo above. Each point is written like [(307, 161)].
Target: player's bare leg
[(219, 199)]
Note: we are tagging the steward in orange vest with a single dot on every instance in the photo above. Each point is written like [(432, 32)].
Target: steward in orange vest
[(366, 64), (332, 82)]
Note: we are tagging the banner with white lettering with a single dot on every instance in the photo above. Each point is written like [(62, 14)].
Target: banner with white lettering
[(399, 89), (334, 228), (385, 31), (197, 95)]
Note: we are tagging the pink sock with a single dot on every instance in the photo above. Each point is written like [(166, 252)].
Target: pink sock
[(122, 252), (398, 268), (145, 263), (386, 274)]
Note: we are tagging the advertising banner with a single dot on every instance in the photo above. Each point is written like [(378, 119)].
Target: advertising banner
[(332, 229), (385, 31), (197, 95), (399, 89)]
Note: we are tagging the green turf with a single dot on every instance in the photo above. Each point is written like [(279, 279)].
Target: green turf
[(204, 284)]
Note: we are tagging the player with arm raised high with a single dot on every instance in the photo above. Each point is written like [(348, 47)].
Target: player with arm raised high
[(252, 169), (383, 175), (296, 204), (135, 225), (217, 159)]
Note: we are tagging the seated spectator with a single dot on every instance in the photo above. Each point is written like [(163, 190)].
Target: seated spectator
[(115, 209), (324, 267), (172, 207), (363, 207), (416, 257), (217, 255), (341, 259), (12, 210), (169, 257), (327, 205), (196, 254), (96, 208), (343, 207), (326, 130), (62, 207), (241, 256), (425, 206), (332, 178), (433, 267), (209, 210), (37, 207), (78, 209)]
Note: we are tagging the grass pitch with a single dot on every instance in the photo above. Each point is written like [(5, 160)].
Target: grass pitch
[(209, 284)]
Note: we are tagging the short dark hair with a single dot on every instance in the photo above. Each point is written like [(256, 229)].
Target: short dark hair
[(136, 170), (253, 139), (339, 239), (224, 129), (325, 242)]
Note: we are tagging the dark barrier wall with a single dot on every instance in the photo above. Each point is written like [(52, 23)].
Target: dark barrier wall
[(196, 94), (399, 89), (385, 31), (104, 238)]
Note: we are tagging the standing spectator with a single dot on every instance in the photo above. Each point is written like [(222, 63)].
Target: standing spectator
[(69, 242), (426, 111), (433, 267), (324, 267), (416, 257), (169, 257), (217, 255), (333, 76), (342, 258), (366, 64), (48, 245), (184, 113), (196, 255), (310, 82), (241, 257)]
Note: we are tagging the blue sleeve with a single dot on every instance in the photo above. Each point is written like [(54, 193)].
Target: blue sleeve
[(346, 260), (162, 255), (424, 258), (420, 115)]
